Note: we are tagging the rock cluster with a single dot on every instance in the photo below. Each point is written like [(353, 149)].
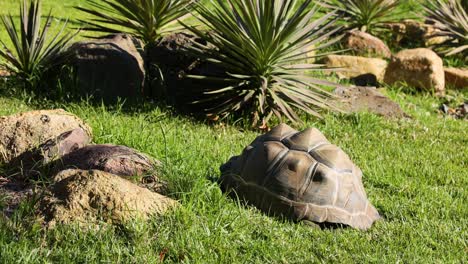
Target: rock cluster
[(112, 67), (420, 68), (91, 182)]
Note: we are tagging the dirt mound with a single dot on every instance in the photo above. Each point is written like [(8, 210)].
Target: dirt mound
[(94, 196), (25, 132), (367, 99)]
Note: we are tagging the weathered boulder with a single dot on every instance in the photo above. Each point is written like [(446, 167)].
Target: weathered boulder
[(456, 78), (108, 67), (91, 196), (27, 132), (32, 162), (365, 44), (420, 68), (174, 62), (355, 99), (363, 71), (119, 160), (413, 33)]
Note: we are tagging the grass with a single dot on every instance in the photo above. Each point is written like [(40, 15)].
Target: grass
[(415, 174)]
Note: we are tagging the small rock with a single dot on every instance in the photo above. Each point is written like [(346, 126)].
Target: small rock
[(460, 112), (109, 67), (118, 160), (367, 99), (419, 68), (366, 44), (89, 197), (456, 78), (25, 132), (4, 73), (364, 71)]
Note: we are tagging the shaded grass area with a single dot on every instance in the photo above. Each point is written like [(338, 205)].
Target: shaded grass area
[(414, 173)]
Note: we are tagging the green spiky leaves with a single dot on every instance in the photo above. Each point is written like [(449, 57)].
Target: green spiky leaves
[(365, 15), (33, 51), (262, 45), (144, 19), (451, 18)]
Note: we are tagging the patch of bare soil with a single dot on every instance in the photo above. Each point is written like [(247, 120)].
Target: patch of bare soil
[(12, 193)]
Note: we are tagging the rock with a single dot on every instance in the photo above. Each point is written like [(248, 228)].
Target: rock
[(88, 197), (419, 68), (173, 60), (365, 44), (118, 160), (4, 73), (367, 99), (30, 163), (26, 132), (460, 112), (456, 78), (363, 71), (416, 34), (108, 68)]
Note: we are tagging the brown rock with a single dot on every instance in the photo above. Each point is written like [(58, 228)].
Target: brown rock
[(118, 160), (420, 68), (364, 71), (414, 33), (456, 78), (109, 67), (4, 73), (365, 44), (94, 196), (367, 99), (30, 163), (26, 132)]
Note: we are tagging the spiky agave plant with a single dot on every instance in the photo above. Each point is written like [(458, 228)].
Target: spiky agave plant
[(365, 15), (148, 20), (451, 18), (261, 45), (33, 53)]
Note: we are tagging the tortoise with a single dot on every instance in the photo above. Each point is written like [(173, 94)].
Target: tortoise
[(301, 176)]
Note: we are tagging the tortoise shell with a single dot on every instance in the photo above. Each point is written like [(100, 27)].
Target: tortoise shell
[(300, 175)]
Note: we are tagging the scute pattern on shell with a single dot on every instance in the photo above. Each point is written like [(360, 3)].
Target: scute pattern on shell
[(300, 175)]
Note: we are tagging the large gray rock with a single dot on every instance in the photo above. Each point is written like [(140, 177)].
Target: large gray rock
[(419, 68), (91, 196), (44, 130), (364, 44), (363, 71), (354, 99), (109, 67)]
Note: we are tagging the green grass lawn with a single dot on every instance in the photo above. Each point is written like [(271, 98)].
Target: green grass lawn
[(415, 174)]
